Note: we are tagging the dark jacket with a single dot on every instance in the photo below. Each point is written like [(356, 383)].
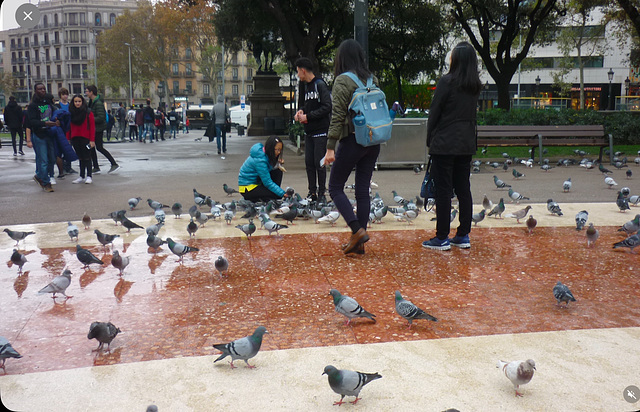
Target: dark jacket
[(317, 107), (149, 114), (39, 111), (99, 113), (256, 169), (13, 115), (451, 128)]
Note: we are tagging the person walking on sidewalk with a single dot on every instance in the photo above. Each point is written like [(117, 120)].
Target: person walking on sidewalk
[(82, 134), (349, 58), (148, 116), (452, 141), (131, 120), (220, 114), (173, 122), (121, 116), (140, 122), (96, 105), (13, 121), (39, 114), (315, 114)]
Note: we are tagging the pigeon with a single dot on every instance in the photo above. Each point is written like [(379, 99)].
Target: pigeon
[(331, 217), (117, 216), (86, 257), (201, 218), (622, 202), (180, 250), (176, 209), (200, 201), (610, 182), (629, 173), (86, 221), (248, 228), (518, 372), (289, 215), (407, 215), (520, 214), (18, 236), (516, 174), (592, 235), (581, 219), (119, 262), (103, 332), (409, 311), (154, 229), (133, 202), (477, 217), (486, 203), (154, 242), (58, 285), (72, 231), (244, 348), (7, 351), (416, 169), (348, 383), (566, 186), (398, 199), (228, 216), (603, 169), (516, 197), (229, 190), (18, 259), (452, 216), (222, 265), (192, 228), (631, 226), (563, 294), (349, 307), (546, 168), (200, 195), (499, 183), (631, 242), (271, 226), (160, 215), (104, 238), (553, 207), (497, 209), (192, 210), (130, 225), (156, 205), (154, 408), (625, 191), (531, 224)]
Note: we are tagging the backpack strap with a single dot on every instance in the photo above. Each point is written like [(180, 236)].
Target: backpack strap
[(357, 80)]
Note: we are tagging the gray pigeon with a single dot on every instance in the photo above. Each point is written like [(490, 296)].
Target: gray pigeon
[(222, 265), (531, 224), (72, 231), (478, 217), (18, 259), (17, 236), (154, 229), (180, 250), (518, 372), (176, 209), (229, 190), (631, 242), (152, 408), (566, 186), (160, 215), (86, 257), (248, 228), (592, 235), (155, 205), (117, 216), (104, 238), (270, 225), (631, 226), (201, 218), (553, 207), (563, 294), (581, 219), (154, 242), (349, 307), (499, 183), (498, 209), (516, 197), (486, 203), (58, 285), (348, 383), (6, 352), (130, 225), (520, 214), (119, 262), (103, 332), (192, 227), (409, 311), (228, 216), (86, 221), (622, 202), (244, 348), (133, 202), (192, 211)]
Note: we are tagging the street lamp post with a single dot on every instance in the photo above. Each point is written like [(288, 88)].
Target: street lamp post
[(291, 99), (610, 74), (95, 57), (627, 83), (486, 92), (538, 90), (26, 59), (46, 77), (130, 84)]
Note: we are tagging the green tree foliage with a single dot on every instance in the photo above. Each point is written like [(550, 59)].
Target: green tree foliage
[(8, 84), (404, 40)]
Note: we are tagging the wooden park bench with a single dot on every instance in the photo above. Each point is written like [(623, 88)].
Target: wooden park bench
[(540, 136)]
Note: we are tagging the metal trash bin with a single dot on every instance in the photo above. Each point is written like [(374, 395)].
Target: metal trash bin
[(408, 143), (240, 130)]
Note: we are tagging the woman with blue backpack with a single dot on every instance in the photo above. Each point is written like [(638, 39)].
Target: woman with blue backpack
[(350, 154)]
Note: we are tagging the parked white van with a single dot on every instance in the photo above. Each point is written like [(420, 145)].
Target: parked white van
[(240, 116)]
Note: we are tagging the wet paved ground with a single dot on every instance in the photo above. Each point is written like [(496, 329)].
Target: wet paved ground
[(169, 310)]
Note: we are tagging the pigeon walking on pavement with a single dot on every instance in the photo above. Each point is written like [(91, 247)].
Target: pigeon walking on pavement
[(531, 224), (86, 221), (104, 238), (229, 190), (133, 202), (248, 228), (18, 259), (154, 242), (154, 229), (192, 228), (631, 226), (156, 205), (58, 285), (553, 207), (516, 197), (486, 203), (349, 307), (622, 202), (631, 242), (592, 235), (119, 262), (72, 231), (243, 348), (610, 182), (497, 209), (130, 224), (566, 186), (17, 235), (176, 209), (409, 311), (581, 219), (222, 265), (103, 332), (478, 217), (603, 169), (516, 174), (86, 257), (520, 214), (118, 216), (518, 372), (7, 351), (499, 183), (348, 383), (563, 294), (179, 249)]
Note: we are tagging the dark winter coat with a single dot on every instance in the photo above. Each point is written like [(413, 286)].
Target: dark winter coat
[(13, 115), (317, 107)]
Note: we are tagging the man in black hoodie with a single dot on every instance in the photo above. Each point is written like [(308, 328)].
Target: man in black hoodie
[(39, 114), (315, 114), (13, 121)]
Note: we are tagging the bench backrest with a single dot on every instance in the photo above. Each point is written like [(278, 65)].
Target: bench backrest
[(545, 131)]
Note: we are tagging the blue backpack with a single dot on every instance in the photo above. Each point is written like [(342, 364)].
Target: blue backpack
[(372, 121)]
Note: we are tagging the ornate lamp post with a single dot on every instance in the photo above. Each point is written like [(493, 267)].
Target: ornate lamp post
[(538, 90), (130, 84), (627, 83), (610, 74)]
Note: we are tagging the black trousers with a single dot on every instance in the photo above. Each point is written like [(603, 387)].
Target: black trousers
[(13, 138), (261, 193), (84, 155), (100, 148), (314, 150), (451, 172)]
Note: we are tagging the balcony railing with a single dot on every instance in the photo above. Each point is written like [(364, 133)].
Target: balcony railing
[(45, 42), (19, 75), (56, 42)]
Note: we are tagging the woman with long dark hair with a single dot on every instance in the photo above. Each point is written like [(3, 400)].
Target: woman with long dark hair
[(452, 141), (349, 58), (260, 175), (82, 136)]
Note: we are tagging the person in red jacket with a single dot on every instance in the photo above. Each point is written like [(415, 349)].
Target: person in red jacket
[(82, 136)]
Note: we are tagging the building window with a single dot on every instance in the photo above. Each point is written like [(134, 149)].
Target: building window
[(112, 19), (59, 69), (77, 88), (72, 19), (176, 87), (83, 52), (45, 21), (55, 19), (174, 68), (205, 89), (75, 52), (219, 89), (175, 53), (83, 18), (98, 19), (188, 69), (234, 58), (234, 90), (189, 86), (249, 89), (187, 53), (249, 73), (74, 36), (83, 36), (234, 73)]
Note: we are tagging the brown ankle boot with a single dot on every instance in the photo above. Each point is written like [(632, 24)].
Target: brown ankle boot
[(360, 237)]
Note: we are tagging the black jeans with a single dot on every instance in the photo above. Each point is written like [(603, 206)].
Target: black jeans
[(261, 193), (84, 155), (13, 138), (314, 150), (100, 148), (349, 155), (451, 172), (133, 130)]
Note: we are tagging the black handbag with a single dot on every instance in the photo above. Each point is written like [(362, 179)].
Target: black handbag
[(427, 190)]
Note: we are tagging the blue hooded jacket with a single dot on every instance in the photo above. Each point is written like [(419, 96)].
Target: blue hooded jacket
[(256, 169)]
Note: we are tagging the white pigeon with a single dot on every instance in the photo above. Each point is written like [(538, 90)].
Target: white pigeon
[(610, 182), (331, 217), (566, 186), (72, 231), (518, 372)]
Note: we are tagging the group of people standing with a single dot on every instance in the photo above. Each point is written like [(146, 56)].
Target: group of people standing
[(146, 123), (330, 139)]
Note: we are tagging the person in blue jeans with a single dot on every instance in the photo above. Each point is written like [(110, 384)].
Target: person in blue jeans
[(149, 117), (174, 119), (39, 114), (451, 138), (220, 114)]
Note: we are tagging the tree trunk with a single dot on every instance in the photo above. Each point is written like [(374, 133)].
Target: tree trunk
[(504, 97)]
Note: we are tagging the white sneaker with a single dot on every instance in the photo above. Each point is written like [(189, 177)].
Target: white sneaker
[(52, 180), (78, 180), (88, 180)]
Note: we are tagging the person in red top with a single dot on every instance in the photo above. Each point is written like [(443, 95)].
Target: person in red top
[(82, 136)]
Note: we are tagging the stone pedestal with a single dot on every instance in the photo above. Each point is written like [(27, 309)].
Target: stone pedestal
[(266, 103)]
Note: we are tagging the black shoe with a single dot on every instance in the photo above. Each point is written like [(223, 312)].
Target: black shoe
[(21, 152), (312, 196)]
